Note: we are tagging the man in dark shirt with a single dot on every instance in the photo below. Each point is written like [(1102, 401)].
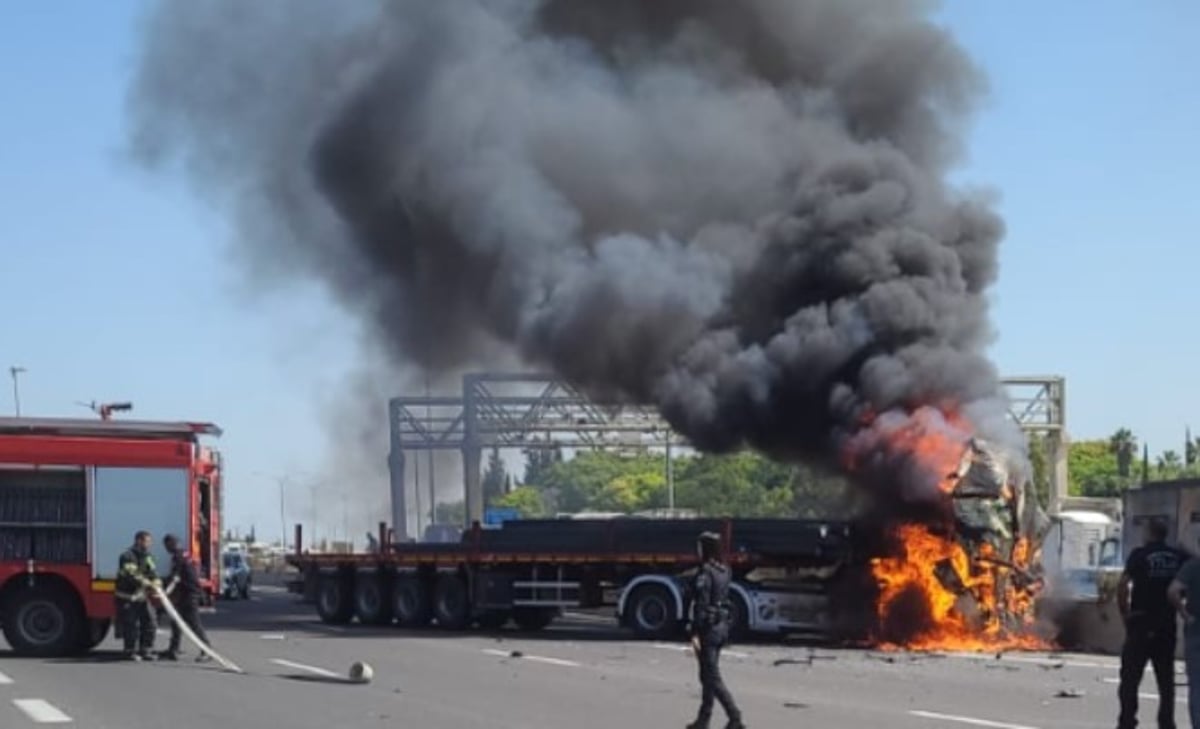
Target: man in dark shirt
[(183, 587), (1150, 625), (710, 631)]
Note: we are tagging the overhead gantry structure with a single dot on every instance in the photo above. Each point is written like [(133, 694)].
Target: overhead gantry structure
[(539, 411)]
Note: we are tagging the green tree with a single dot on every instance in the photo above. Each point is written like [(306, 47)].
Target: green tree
[(1093, 470), (742, 484), (1169, 465), (538, 462), (1123, 445), (527, 500), (494, 477)]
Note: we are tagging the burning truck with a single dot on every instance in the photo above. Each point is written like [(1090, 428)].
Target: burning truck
[(959, 571)]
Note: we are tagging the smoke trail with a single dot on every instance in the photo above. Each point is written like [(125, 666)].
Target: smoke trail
[(738, 211)]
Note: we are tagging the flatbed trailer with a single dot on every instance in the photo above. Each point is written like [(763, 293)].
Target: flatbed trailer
[(528, 571)]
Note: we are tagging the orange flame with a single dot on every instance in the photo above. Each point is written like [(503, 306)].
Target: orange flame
[(933, 592)]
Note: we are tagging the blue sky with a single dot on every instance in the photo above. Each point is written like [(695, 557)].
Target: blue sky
[(117, 285)]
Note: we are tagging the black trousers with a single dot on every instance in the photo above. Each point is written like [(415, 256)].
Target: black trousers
[(189, 611), (1154, 645), (712, 686), (138, 625)]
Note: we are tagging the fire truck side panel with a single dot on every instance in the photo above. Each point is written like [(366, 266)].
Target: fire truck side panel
[(129, 499)]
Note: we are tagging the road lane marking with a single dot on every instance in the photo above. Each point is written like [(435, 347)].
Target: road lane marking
[(272, 636), (968, 720), (536, 659), (305, 667), (5, 680), (688, 649), (42, 712), (1146, 695)]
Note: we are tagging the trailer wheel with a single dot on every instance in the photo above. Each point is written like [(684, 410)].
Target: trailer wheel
[(451, 606), (531, 619), (652, 611), (372, 601), (44, 620), (411, 602), (494, 619), (335, 599)]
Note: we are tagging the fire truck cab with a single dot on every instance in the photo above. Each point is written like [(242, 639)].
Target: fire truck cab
[(73, 493)]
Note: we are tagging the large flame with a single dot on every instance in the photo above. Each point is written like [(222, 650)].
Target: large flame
[(936, 591)]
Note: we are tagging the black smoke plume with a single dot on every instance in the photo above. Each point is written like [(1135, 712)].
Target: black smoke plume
[(737, 210)]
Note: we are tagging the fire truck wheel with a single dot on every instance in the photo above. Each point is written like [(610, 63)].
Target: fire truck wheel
[(335, 600), (411, 602), (372, 600), (93, 634), (534, 618), (652, 612), (451, 605), (44, 620)]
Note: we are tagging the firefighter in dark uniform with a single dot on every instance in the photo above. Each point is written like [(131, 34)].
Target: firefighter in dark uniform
[(135, 574), (710, 628), (183, 589), (1150, 625)]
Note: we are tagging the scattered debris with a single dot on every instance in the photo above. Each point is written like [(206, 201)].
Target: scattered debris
[(515, 654), (794, 705), (1002, 667), (1050, 666), (1069, 694), (361, 672)]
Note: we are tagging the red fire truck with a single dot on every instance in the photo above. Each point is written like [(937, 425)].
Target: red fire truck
[(72, 495)]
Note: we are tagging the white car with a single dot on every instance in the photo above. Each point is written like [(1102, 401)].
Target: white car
[(237, 576)]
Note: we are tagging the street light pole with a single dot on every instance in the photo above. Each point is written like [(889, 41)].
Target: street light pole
[(15, 371)]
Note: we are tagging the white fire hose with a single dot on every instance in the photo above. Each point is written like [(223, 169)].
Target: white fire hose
[(166, 604)]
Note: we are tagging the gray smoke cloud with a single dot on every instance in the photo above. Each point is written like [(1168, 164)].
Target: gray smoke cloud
[(738, 211)]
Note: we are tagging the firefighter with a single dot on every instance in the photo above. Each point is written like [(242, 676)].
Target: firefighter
[(710, 626), (135, 574), (183, 590), (1150, 625)]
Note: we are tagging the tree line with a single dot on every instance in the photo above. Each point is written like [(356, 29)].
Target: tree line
[(746, 484)]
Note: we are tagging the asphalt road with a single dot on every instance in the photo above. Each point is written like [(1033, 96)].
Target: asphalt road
[(578, 674)]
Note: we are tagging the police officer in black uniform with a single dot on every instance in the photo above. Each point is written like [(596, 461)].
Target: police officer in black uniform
[(1150, 625), (135, 574), (183, 587), (710, 631)]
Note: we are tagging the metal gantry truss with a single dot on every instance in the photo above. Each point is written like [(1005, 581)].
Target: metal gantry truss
[(540, 411)]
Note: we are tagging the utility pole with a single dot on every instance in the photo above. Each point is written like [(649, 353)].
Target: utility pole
[(429, 429), (15, 371)]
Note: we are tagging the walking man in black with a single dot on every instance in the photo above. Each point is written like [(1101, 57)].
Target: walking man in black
[(1150, 625), (710, 631), (135, 574), (183, 589)]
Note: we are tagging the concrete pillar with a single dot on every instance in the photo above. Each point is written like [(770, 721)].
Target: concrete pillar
[(399, 504), (1058, 445)]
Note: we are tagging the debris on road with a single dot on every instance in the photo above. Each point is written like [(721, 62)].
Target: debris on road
[(361, 672), (1069, 694)]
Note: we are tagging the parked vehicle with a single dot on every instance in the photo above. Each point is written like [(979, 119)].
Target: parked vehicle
[(238, 575), (72, 495)]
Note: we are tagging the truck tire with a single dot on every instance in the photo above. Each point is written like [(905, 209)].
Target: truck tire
[(651, 612), (739, 617), (43, 621), (93, 634), (411, 602), (451, 604), (531, 619), (494, 619), (372, 600), (335, 599)]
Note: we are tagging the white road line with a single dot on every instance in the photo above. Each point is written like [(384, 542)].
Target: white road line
[(1145, 695), (1037, 660), (968, 720), (5, 680), (688, 649), (42, 712), (272, 636), (536, 659), (305, 667)]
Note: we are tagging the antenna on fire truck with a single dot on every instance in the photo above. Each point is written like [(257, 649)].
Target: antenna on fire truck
[(106, 409)]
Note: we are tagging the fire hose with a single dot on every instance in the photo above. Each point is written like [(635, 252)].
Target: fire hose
[(183, 626)]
